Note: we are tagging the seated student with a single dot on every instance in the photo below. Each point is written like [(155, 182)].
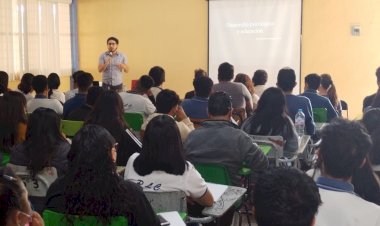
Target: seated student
[(342, 151), (197, 73), (196, 107), (44, 146), (220, 141), (368, 100), (270, 119), (161, 165), (286, 197), (40, 85), (327, 89), (81, 114), (245, 80), (53, 83), (92, 186), (158, 75), (25, 86), (138, 101), (286, 81), (371, 120), (241, 98), (4, 79), (12, 120), (167, 102), (312, 83), (108, 112), (259, 79), (71, 93), (84, 80), (15, 208)]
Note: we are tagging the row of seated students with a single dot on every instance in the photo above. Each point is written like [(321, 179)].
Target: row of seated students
[(281, 196), (220, 109)]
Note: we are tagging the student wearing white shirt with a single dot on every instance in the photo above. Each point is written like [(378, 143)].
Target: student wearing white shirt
[(40, 85), (137, 100), (161, 165), (343, 150), (158, 75), (71, 93), (53, 84)]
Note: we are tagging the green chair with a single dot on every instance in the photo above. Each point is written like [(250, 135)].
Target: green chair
[(52, 218), (134, 120), (218, 174), (214, 173), (5, 158), (70, 128), (320, 114)]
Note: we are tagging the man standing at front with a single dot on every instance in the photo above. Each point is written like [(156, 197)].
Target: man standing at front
[(112, 64)]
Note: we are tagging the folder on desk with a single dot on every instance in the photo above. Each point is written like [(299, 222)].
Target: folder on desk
[(216, 190)]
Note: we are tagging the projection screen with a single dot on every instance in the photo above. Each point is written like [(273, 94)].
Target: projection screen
[(255, 34)]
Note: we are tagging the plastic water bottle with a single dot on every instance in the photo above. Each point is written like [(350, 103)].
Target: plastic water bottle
[(300, 123)]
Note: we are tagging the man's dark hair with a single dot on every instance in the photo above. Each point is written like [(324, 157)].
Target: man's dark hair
[(378, 74), (313, 81), (84, 81), (202, 86), (219, 104), (4, 79), (225, 72), (26, 83), (145, 83), (199, 73), (286, 197), (92, 94), (113, 39), (158, 75), (260, 77), (39, 83), (166, 100), (344, 146), (286, 79), (75, 75)]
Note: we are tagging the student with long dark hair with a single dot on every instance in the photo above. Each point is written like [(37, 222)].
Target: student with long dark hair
[(25, 86), (92, 185), (44, 146), (328, 89), (161, 166), (270, 119), (15, 209), (108, 112), (12, 120)]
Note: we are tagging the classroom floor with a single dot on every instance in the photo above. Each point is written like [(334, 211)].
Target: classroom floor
[(235, 222)]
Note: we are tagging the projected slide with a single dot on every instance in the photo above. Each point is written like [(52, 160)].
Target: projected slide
[(255, 34)]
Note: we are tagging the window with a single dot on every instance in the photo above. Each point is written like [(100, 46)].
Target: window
[(35, 37)]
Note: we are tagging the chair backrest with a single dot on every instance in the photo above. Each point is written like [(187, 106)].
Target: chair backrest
[(239, 115), (320, 114), (5, 157), (134, 120), (39, 185), (70, 128), (52, 218), (167, 201), (214, 173), (276, 143), (344, 106)]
